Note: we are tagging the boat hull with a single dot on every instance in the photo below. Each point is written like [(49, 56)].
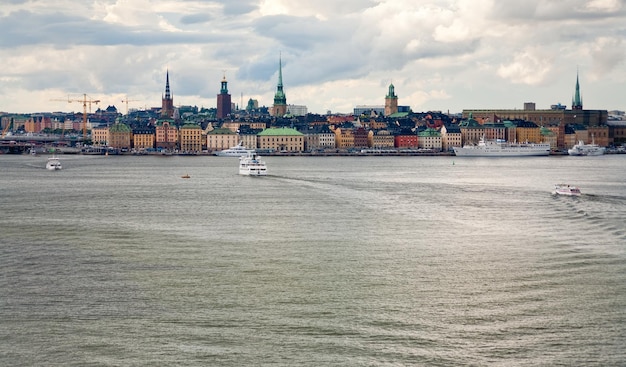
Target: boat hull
[(502, 152)]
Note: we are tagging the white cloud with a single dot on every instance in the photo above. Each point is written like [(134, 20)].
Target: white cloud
[(530, 66)]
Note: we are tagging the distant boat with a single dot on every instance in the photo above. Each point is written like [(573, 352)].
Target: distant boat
[(567, 190), (582, 149), (54, 164), (252, 165), (237, 151), (185, 176), (502, 149)]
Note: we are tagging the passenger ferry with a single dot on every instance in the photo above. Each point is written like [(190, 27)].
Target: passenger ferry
[(499, 148), (586, 149), (252, 165)]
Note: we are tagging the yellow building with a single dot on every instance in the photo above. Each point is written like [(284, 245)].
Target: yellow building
[(381, 139), (143, 139), (190, 138), (344, 138), (100, 136), (281, 139), (119, 136)]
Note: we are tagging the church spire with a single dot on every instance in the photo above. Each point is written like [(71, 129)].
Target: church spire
[(167, 85), (577, 101), (279, 97)]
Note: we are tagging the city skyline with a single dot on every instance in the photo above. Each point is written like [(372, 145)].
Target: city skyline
[(440, 55)]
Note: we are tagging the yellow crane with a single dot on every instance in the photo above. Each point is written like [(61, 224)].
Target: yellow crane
[(86, 100), (128, 100)]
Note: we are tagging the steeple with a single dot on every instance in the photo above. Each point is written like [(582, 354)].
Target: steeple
[(577, 101), (167, 85), (280, 100), (392, 93), (279, 97), (391, 101)]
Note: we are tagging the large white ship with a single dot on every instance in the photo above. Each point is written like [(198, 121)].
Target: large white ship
[(502, 149), (237, 151)]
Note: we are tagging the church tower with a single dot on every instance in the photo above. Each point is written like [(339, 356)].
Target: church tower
[(167, 101), (280, 100), (223, 100), (391, 101), (577, 101)]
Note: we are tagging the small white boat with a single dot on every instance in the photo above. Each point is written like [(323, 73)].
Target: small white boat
[(567, 190), (252, 165), (237, 151), (54, 164)]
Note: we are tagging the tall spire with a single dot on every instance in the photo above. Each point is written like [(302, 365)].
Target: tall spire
[(577, 101), (279, 97), (167, 85)]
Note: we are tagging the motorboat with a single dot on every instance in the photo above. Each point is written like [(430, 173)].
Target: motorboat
[(237, 151), (252, 165), (567, 190), (54, 164), (582, 149), (500, 148), (185, 176)]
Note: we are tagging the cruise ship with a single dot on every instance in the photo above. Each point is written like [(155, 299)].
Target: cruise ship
[(500, 148), (586, 149)]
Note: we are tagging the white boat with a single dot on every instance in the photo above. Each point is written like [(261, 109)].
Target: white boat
[(500, 148), (54, 164), (252, 165), (237, 151), (582, 149), (567, 190)]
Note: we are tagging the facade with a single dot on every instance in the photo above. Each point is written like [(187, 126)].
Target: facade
[(166, 135), (143, 138), (391, 101), (527, 131), (382, 139), (220, 139), (100, 136), (368, 110), (281, 139), (119, 136), (471, 131), (450, 137), (344, 138), (361, 138), (280, 99), (406, 139), (297, 110), (191, 138), (223, 101), (429, 139), (167, 100)]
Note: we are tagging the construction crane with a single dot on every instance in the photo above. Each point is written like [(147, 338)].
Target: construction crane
[(6, 129), (85, 102), (126, 101)]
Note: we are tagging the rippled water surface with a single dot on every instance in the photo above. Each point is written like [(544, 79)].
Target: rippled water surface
[(342, 261)]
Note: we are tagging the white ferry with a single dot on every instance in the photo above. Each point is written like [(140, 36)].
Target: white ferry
[(237, 151), (582, 149), (567, 190), (252, 165), (500, 148), (54, 164)]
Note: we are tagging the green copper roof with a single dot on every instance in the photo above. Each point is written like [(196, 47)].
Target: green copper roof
[(429, 132), (190, 126), (221, 131), (398, 114), (280, 131), (279, 97), (391, 93), (119, 128)]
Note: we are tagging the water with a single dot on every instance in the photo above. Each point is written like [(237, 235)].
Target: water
[(381, 261)]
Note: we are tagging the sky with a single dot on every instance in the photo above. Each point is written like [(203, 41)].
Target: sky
[(440, 55)]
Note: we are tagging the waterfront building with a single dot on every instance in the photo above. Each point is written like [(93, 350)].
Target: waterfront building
[(382, 139), (344, 138), (191, 138), (391, 101), (167, 100), (549, 136), (119, 136), (429, 139), (166, 134), (282, 139), (143, 138), (319, 137), (362, 137), (450, 136), (527, 131), (223, 100), (406, 138), (471, 130), (280, 99), (221, 138), (100, 136)]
